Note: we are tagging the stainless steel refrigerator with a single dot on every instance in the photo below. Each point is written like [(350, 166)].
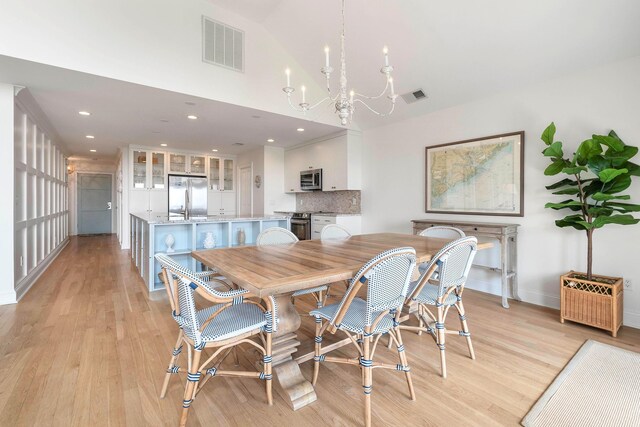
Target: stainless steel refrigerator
[(187, 197)]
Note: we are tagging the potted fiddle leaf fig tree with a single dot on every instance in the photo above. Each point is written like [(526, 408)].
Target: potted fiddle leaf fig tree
[(593, 181)]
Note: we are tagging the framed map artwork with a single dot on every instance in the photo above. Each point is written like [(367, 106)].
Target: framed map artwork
[(482, 176)]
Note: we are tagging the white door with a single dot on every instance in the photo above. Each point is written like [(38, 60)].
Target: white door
[(246, 188)]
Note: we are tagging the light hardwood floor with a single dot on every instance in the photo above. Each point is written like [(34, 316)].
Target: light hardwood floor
[(87, 346)]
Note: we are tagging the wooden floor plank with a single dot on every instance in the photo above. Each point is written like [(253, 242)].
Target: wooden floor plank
[(88, 346)]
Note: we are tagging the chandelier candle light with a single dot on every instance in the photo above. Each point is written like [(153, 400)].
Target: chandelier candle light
[(344, 102)]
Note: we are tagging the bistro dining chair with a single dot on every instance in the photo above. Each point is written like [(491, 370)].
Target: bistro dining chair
[(453, 262), (439, 232), (215, 281), (386, 278), (235, 317), (282, 236), (334, 232)]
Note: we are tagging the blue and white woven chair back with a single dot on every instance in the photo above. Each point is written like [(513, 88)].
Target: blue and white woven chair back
[(334, 232), (455, 261), (186, 283), (387, 275), (275, 236), (443, 232)]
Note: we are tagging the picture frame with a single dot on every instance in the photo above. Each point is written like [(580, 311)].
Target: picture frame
[(480, 176)]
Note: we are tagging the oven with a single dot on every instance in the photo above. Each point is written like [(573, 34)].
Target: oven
[(301, 225)]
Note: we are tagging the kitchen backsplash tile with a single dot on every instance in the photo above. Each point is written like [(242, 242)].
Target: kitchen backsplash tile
[(329, 201)]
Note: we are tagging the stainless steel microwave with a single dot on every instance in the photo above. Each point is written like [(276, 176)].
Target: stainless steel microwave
[(311, 180)]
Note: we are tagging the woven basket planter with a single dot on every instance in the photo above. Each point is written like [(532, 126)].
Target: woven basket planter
[(596, 302)]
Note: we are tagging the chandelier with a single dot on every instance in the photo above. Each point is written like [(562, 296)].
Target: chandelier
[(344, 102)]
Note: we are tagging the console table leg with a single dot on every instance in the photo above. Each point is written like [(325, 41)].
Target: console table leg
[(504, 271)]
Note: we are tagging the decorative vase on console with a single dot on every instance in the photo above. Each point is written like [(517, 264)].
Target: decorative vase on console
[(209, 241), (241, 236), (170, 241)]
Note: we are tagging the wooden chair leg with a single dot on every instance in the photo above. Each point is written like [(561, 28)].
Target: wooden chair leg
[(367, 380), (465, 329), (440, 340), (172, 368), (268, 367), (192, 384), (404, 363), (420, 321), (318, 349)]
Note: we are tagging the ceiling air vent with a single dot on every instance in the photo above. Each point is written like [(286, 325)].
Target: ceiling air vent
[(222, 45), (415, 96), (238, 144)]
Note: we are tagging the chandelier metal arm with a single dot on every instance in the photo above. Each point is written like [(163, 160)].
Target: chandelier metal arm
[(374, 97), (388, 113)]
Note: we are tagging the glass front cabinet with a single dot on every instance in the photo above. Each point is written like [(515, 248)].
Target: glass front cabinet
[(221, 174), (148, 170), (187, 164)]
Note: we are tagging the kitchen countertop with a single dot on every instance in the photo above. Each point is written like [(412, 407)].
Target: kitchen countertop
[(164, 218)]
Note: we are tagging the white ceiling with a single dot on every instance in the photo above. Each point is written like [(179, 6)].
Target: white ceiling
[(125, 113), (457, 51)]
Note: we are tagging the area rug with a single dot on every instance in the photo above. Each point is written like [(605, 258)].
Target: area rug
[(600, 386)]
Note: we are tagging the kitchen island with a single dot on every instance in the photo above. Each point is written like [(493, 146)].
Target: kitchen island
[(153, 233)]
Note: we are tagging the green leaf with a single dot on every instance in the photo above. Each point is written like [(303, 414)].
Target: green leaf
[(601, 197), (612, 142), (555, 167), (617, 185), (614, 219), (575, 221), (598, 163), (587, 150), (632, 168), (613, 134), (623, 207), (597, 211), (609, 174), (554, 150), (619, 158), (573, 191), (548, 134), (561, 183), (574, 170), (567, 204)]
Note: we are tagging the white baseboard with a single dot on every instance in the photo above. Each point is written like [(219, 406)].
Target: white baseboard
[(537, 298), (25, 284), (8, 298), (632, 319)]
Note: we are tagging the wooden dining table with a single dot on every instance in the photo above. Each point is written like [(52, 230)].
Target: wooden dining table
[(279, 270)]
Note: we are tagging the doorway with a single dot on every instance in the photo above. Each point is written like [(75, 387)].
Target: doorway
[(246, 190), (94, 204)]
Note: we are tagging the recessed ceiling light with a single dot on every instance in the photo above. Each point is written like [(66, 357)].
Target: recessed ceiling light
[(93, 151), (300, 129), (84, 113), (163, 145), (90, 137), (214, 150), (270, 140), (192, 117)]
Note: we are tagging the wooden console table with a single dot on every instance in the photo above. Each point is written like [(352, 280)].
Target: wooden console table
[(506, 234)]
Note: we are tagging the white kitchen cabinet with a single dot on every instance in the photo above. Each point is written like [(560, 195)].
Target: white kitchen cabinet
[(149, 201), (221, 203), (187, 164), (148, 170), (221, 174), (353, 223), (339, 157)]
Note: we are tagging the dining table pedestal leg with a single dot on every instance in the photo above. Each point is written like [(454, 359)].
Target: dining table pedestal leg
[(292, 386)]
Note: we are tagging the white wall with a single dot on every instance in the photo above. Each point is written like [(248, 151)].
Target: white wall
[(7, 292), (593, 101), (155, 43), (275, 199), (268, 162)]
